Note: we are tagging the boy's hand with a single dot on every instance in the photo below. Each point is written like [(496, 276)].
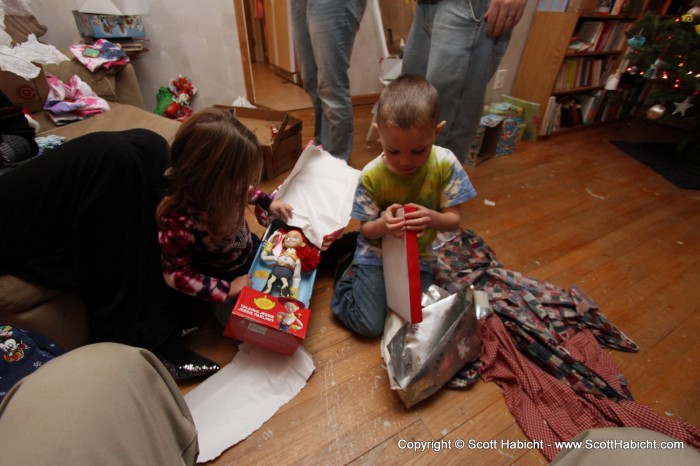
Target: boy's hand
[(419, 220), (238, 283), (395, 225), (281, 210)]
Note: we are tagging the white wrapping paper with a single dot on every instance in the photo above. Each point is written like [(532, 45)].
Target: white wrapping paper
[(233, 403), (321, 189)]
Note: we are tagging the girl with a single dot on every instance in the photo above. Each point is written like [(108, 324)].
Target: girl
[(206, 245)]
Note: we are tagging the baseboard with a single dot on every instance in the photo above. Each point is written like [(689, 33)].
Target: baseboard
[(364, 99)]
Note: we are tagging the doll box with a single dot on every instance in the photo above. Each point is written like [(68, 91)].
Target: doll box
[(279, 134), (264, 319), (276, 324)]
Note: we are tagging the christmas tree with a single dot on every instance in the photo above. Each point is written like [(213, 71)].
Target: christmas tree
[(664, 54), (665, 51)]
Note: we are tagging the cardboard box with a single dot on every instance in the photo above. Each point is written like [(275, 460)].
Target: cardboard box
[(28, 93), (279, 135), (276, 324), (102, 26)]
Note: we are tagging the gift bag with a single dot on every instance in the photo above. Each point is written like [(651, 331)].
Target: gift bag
[(421, 358)]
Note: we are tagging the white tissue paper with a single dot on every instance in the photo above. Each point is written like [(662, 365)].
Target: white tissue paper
[(20, 59), (233, 403), (321, 189)]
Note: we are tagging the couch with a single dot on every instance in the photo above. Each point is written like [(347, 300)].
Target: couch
[(58, 315)]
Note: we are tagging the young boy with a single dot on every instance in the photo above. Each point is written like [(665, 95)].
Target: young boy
[(410, 170)]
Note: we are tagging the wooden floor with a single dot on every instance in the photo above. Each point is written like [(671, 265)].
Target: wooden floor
[(276, 92), (571, 210)]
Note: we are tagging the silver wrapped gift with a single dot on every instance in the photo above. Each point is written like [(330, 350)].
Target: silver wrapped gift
[(421, 358)]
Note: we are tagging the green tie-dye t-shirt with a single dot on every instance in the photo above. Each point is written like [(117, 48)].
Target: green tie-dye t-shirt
[(440, 183)]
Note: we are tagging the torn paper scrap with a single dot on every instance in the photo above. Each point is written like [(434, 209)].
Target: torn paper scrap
[(21, 59), (237, 400)]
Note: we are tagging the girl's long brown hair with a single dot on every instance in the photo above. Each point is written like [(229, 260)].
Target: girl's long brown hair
[(214, 158)]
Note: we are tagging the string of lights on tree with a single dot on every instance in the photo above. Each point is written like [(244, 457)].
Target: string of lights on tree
[(666, 51)]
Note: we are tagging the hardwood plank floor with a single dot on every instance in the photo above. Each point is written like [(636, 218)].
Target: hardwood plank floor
[(276, 92), (571, 210)]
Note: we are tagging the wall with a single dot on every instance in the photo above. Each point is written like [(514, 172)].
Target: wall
[(204, 49), (511, 60), (200, 41)]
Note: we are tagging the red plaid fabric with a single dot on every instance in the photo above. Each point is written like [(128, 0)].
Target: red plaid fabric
[(548, 409)]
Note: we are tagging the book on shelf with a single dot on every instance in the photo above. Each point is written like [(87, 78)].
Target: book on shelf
[(547, 117), (552, 5), (556, 118), (590, 103), (589, 32), (616, 7)]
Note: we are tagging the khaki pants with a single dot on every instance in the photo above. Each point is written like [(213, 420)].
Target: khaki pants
[(626, 446), (104, 403)]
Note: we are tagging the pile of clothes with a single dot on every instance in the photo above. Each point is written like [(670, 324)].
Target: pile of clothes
[(75, 100), (542, 347)]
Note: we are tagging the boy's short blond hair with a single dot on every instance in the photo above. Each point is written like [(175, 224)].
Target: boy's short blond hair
[(409, 101)]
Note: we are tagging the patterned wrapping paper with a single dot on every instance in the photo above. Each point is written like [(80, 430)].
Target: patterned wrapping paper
[(509, 134)]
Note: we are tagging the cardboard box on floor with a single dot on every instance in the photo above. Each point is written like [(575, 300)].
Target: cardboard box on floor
[(279, 135), (30, 94)]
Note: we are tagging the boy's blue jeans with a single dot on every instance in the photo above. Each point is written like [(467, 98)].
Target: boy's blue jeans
[(359, 301)]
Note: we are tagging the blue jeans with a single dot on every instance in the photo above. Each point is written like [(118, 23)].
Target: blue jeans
[(448, 45), (359, 301), (324, 34)]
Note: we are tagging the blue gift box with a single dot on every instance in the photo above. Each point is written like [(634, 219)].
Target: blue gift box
[(500, 134), (102, 26)]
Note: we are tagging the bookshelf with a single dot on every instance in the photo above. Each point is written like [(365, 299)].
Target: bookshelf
[(567, 61)]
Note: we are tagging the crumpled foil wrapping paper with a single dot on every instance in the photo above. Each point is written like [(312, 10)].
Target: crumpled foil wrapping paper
[(421, 358)]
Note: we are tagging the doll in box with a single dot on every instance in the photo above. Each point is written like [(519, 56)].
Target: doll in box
[(296, 255)]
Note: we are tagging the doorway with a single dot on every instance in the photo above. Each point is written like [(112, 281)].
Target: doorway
[(269, 62)]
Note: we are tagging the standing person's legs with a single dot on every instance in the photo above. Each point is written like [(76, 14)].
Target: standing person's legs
[(99, 404), (417, 50), (332, 28), (462, 60), (307, 64)]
